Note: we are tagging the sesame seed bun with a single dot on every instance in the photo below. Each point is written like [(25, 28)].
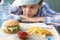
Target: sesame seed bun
[(10, 23)]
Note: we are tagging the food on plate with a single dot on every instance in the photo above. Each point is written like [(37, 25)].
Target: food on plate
[(43, 31), (22, 35), (37, 31), (33, 30), (10, 26)]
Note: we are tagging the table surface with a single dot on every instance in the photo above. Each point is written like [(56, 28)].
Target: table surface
[(55, 34)]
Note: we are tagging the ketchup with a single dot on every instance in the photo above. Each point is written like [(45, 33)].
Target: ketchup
[(22, 35)]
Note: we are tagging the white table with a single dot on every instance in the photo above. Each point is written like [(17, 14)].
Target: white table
[(55, 35)]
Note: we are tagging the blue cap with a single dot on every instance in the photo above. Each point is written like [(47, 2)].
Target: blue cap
[(25, 2)]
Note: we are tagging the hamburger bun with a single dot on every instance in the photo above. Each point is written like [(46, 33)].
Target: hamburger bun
[(10, 26), (10, 23)]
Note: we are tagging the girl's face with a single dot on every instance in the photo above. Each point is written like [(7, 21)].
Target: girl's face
[(30, 10)]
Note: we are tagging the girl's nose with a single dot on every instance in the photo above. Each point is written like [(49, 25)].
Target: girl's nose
[(27, 11)]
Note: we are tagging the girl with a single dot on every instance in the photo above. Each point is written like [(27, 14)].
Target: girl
[(33, 11)]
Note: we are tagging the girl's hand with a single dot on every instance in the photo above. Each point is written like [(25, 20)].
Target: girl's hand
[(34, 19)]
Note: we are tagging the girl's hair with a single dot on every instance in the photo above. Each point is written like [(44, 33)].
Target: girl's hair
[(0, 0), (41, 2)]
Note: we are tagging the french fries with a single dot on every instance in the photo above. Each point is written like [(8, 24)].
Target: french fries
[(36, 31)]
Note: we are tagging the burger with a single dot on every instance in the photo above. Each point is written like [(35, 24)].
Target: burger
[(10, 26)]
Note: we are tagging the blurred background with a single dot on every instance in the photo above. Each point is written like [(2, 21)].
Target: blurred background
[(54, 4)]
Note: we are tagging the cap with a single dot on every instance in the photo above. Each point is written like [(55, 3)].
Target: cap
[(25, 2)]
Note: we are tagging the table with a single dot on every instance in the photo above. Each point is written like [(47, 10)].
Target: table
[(51, 28)]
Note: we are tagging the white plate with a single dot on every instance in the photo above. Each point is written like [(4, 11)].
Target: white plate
[(26, 25)]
